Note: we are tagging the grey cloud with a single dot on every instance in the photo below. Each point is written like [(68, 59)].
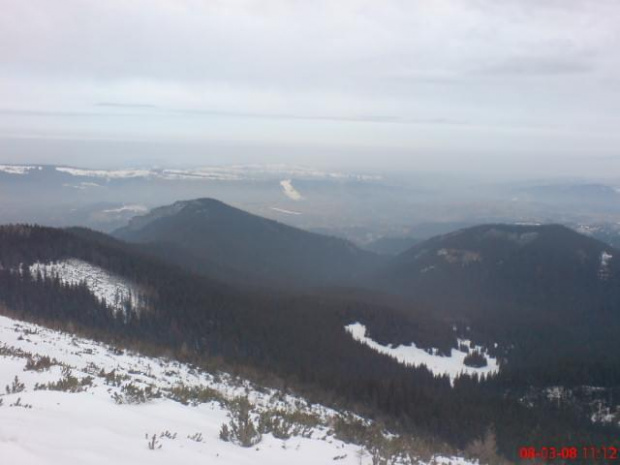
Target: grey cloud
[(445, 74), (536, 66), (125, 105), (162, 112)]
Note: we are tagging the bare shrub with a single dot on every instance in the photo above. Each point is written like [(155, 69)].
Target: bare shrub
[(196, 437), (68, 383), (15, 387), (133, 394), (485, 449), (153, 442), (283, 424), (39, 363), (194, 395), (241, 429)]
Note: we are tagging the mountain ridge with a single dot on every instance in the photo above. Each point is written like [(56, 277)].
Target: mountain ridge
[(213, 237)]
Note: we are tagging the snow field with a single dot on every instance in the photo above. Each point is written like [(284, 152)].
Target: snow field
[(46, 427), (452, 366)]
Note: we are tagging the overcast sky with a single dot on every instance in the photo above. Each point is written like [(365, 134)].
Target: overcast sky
[(424, 83)]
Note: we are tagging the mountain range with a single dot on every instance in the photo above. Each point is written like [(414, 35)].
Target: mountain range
[(534, 295), (212, 284)]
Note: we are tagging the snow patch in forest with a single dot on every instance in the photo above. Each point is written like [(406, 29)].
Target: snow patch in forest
[(605, 257), (604, 267), (452, 366), (463, 257), (112, 289)]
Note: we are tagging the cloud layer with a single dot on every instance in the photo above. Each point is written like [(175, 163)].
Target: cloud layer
[(425, 75)]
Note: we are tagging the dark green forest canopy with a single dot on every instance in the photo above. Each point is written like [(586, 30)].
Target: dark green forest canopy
[(297, 339)]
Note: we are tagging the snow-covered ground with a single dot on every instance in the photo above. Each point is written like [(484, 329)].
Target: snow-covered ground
[(597, 403), (18, 169), (289, 190), (106, 174), (206, 173), (82, 185), (286, 212), (134, 208), (604, 272), (605, 258), (103, 423), (452, 366), (114, 290), (213, 173)]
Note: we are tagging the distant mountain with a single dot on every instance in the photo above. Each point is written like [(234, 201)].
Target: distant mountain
[(548, 295), (509, 261), (105, 199), (211, 173), (210, 237), (572, 191), (587, 196), (394, 245)]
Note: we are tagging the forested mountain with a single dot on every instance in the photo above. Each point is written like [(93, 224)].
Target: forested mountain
[(294, 342), (548, 296), (493, 263), (217, 240), (543, 298)]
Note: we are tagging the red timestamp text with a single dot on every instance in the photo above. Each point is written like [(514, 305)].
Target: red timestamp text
[(570, 453)]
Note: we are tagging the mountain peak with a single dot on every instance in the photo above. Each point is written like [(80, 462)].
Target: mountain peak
[(498, 240), (488, 268), (191, 207), (217, 239)]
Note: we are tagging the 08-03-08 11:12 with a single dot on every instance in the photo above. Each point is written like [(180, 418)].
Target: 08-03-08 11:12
[(570, 453)]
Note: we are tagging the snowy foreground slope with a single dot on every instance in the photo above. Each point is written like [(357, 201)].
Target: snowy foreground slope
[(93, 404)]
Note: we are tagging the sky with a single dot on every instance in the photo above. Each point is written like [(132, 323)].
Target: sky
[(429, 84)]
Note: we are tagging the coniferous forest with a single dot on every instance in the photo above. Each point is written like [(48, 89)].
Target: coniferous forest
[(294, 341)]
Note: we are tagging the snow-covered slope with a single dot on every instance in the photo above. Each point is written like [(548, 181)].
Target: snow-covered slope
[(452, 366), (18, 169), (114, 290), (289, 190), (93, 404)]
